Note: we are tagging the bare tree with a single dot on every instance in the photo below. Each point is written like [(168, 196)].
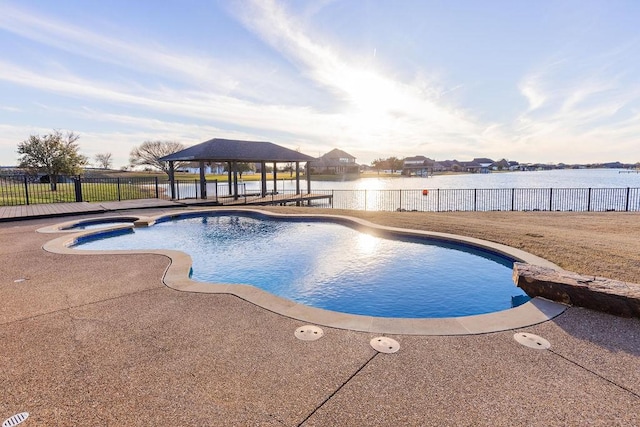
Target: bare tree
[(150, 152), (54, 154), (103, 160)]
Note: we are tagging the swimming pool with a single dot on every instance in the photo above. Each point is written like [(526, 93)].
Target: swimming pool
[(102, 223), (331, 266)]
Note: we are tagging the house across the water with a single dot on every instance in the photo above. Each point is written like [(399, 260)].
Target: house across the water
[(335, 162), (420, 166), (209, 168)]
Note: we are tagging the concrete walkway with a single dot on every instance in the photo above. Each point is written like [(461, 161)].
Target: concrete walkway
[(99, 340)]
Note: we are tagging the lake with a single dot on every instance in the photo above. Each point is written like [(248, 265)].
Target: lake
[(554, 190), (565, 178)]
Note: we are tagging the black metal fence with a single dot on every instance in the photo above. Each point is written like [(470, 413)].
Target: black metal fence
[(16, 190), (486, 199), (24, 190)]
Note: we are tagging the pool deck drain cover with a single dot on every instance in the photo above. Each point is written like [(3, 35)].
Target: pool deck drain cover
[(15, 419), (384, 344), (532, 341), (309, 333)]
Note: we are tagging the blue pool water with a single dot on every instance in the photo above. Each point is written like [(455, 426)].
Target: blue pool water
[(332, 266), (90, 225)]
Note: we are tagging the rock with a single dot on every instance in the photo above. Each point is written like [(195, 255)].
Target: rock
[(596, 293)]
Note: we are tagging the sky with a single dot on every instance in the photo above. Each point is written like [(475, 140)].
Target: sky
[(533, 81)]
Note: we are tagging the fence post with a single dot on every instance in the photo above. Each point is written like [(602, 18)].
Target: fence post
[(513, 199), (78, 188), (626, 204), (475, 198), (157, 190), (26, 189), (438, 200), (118, 185), (589, 200), (550, 199), (400, 200), (365, 199)]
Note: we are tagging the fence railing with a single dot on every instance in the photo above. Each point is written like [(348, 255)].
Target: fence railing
[(485, 199), (24, 190), (16, 190)]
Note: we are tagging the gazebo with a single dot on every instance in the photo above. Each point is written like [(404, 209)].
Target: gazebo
[(233, 152)]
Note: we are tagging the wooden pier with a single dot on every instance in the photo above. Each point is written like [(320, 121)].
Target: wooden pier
[(273, 199)]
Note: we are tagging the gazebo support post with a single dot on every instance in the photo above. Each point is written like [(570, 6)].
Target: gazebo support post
[(307, 170), (229, 181), (235, 180), (203, 182), (297, 181), (275, 179), (172, 180), (263, 178)]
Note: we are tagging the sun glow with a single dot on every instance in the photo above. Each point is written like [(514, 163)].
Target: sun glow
[(372, 99), (369, 184), (366, 244), (370, 92)]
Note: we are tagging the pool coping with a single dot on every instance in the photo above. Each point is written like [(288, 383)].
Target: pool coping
[(176, 277)]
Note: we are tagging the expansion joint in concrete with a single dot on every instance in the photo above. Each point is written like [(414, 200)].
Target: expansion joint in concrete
[(67, 309), (338, 389), (597, 374)]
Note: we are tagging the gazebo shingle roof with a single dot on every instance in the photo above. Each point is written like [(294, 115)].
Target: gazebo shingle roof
[(224, 150)]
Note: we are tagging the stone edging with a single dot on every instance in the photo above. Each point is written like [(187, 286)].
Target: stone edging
[(177, 277), (596, 293)]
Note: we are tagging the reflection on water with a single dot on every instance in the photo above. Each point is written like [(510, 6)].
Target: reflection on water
[(366, 244), (560, 190), (570, 178)]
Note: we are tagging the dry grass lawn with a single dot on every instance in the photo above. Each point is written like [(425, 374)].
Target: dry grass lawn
[(605, 244)]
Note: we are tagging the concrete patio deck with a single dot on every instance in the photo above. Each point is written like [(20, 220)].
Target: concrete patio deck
[(100, 340)]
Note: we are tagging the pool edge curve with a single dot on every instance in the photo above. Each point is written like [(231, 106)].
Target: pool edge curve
[(176, 277)]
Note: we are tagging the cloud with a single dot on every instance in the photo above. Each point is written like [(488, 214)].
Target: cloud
[(368, 107), (529, 88), (584, 109), (304, 91), (374, 107), (10, 108), (147, 57)]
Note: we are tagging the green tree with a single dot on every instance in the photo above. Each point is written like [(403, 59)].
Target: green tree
[(395, 164), (392, 163), (150, 152), (241, 168), (54, 154), (288, 168), (378, 164)]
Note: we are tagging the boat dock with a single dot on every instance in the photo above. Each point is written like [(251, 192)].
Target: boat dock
[(280, 199)]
